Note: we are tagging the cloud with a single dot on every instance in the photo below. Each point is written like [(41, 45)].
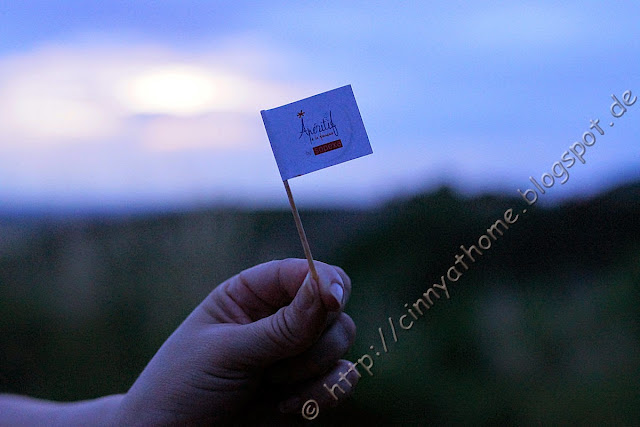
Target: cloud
[(138, 123), (223, 130), (49, 97), (60, 95)]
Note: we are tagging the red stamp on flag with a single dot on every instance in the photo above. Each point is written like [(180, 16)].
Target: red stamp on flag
[(333, 145)]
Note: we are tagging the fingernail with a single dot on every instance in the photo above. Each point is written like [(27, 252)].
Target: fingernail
[(306, 294), (289, 405), (337, 292)]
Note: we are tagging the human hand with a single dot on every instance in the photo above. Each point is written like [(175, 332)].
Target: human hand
[(268, 335)]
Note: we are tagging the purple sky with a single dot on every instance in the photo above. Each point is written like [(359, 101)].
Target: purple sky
[(135, 105)]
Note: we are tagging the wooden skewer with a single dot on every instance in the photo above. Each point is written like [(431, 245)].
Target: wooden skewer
[(301, 233)]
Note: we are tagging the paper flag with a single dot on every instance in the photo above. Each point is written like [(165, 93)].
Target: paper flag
[(316, 132)]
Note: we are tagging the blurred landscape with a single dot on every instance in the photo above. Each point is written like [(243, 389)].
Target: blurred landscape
[(543, 328), (136, 175)]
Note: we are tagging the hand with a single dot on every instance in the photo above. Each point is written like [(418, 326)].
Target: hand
[(268, 335)]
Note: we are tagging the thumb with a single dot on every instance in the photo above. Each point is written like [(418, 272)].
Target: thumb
[(292, 329)]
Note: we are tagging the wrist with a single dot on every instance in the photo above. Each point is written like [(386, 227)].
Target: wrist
[(22, 410)]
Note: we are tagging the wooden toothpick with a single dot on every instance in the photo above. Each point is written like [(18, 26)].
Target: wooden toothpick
[(301, 233)]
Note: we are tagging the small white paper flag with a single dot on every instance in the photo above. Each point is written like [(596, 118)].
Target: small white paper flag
[(316, 132)]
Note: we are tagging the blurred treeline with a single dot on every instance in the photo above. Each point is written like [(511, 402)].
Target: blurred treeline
[(543, 328)]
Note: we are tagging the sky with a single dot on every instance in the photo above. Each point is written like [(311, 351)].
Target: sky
[(135, 105)]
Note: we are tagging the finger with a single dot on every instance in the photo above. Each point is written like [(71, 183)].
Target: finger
[(326, 391), (331, 292), (288, 332), (346, 280), (261, 290), (347, 293), (320, 357)]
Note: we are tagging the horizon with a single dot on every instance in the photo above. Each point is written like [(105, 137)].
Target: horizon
[(85, 211)]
